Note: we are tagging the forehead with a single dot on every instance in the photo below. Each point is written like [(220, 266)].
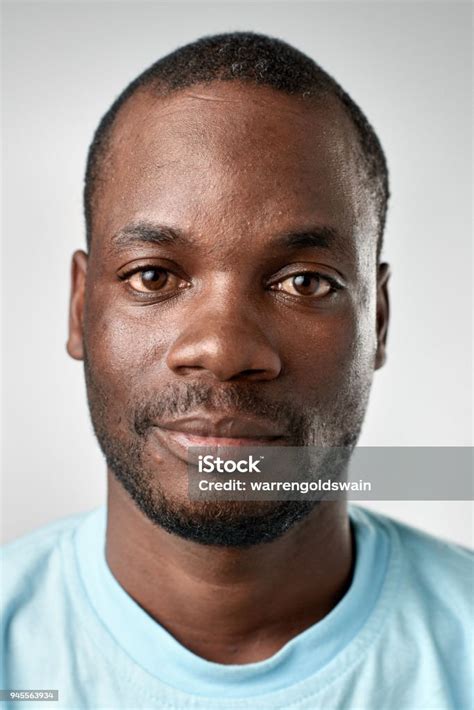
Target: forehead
[(231, 161)]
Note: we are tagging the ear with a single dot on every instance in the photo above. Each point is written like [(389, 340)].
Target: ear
[(75, 346), (383, 312)]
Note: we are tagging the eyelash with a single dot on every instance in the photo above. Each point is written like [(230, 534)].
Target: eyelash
[(144, 268), (335, 285)]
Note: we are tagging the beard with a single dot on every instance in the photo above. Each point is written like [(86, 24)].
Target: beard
[(123, 440)]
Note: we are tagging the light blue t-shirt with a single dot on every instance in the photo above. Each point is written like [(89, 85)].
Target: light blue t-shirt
[(401, 638)]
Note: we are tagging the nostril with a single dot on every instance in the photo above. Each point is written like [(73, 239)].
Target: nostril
[(188, 369), (249, 373)]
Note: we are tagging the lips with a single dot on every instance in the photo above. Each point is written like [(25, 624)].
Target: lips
[(228, 426), (179, 435)]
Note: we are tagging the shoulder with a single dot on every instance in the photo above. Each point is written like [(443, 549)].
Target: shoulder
[(440, 571), (40, 617), (30, 561), (429, 620), (39, 541)]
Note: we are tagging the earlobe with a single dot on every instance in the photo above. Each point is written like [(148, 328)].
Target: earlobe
[(75, 344), (383, 312)]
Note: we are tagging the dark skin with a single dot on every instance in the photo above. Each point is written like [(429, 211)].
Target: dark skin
[(233, 168)]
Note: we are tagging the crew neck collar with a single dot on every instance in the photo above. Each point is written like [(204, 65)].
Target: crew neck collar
[(160, 654)]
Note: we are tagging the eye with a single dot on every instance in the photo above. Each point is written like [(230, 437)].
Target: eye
[(306, 284), (150, 279)]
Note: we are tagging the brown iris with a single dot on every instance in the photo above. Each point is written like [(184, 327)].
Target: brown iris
[(149, 279), (305, 285), (154, 278)]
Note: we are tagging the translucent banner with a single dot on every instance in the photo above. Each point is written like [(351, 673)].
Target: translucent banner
[(317, 473)]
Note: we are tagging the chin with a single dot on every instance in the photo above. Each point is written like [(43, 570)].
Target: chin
[(239, 524)]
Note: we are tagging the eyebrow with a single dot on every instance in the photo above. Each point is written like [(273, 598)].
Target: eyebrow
[(318, 237), (146, 233)]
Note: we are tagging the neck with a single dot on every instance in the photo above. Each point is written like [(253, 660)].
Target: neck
[(231, 605)]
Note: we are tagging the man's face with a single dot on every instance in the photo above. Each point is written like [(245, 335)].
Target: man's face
[(232, 294)]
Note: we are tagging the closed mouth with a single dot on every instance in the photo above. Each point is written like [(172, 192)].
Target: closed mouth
[(180, 435)]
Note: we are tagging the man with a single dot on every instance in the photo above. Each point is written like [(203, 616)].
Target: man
[(233, 295)]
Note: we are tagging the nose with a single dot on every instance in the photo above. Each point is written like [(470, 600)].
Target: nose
[(226, 345)]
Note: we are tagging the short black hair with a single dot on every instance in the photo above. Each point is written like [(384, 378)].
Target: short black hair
[(259, 60)]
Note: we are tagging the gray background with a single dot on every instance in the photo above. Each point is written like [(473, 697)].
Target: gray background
[(407, 64)]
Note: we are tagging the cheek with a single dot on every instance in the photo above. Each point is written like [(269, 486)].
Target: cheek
[(334, 352), (123, 344)]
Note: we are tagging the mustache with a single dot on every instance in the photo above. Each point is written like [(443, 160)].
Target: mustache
[(176, 399)]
